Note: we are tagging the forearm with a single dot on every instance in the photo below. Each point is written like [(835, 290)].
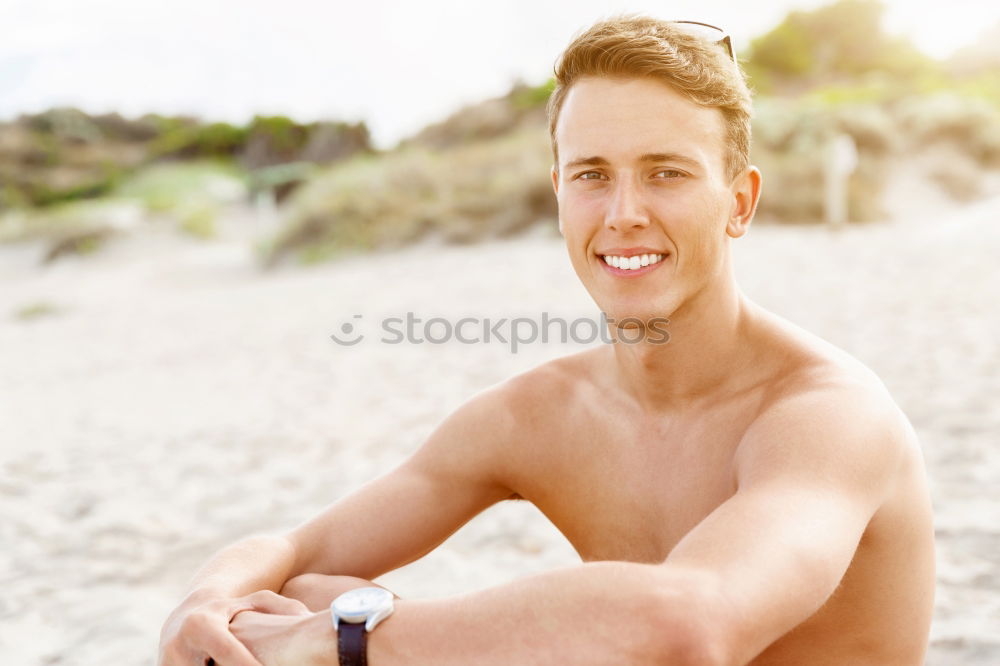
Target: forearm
[(597, 613), (242, 577), (247, 566)]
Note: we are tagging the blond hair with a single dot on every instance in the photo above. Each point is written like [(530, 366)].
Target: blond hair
[(640, 46)]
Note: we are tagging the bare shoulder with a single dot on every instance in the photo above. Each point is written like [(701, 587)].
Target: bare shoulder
[(557, 382), (483, 439), (826, 411)]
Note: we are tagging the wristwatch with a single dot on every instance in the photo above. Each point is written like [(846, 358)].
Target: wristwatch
[(355, 613)]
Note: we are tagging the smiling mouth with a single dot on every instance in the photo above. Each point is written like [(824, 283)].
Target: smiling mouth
[(635, 262)]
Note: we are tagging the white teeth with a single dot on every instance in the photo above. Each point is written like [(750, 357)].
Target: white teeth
[(634, 262)]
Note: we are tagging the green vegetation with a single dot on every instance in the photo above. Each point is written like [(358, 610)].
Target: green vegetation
[(843, 41), (790, 137), (217, 140), (834, 69), (972, 126), (532, 97), (824, 72), (35, 310), (281, 132), (96, 185), (470, 192), (63, 219), (65, 155), (189, 193), (166, 187), (482, 172), (199, 221)]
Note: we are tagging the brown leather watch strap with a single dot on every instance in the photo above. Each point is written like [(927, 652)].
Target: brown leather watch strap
[(352, 640)]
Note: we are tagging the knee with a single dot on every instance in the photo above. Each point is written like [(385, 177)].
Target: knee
[(316, 591), (302, 586)]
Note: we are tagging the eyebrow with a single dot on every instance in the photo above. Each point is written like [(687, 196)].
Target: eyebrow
[(597, 160)]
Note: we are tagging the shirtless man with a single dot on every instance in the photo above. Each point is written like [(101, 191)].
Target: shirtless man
[(744, 493)]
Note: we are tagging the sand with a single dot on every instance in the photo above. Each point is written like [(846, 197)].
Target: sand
[(174, 399)]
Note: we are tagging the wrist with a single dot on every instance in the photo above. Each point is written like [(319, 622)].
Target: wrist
[(201, 595), (318, 640)]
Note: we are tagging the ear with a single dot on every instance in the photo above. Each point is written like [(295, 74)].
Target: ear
[(555, 188), (746, 194)]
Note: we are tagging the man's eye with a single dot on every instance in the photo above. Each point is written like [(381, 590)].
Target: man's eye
[(670, 173), (590, 175)]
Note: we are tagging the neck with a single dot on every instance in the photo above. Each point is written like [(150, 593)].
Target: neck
[(706, 351)]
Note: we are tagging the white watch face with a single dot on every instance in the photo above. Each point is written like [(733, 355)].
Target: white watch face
[(362, 602)]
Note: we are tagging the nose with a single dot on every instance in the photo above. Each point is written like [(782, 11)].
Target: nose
[(626, 209)]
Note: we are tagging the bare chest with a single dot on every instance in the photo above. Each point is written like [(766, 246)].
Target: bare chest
[(631, 488)]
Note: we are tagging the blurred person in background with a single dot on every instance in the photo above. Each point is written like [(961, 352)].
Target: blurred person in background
[(739, 491)]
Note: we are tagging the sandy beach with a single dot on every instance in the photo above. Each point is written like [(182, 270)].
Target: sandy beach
[(164, 397)]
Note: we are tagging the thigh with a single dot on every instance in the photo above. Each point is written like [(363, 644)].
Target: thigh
[(316, 591)]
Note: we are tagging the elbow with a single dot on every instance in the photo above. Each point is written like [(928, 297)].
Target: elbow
[(684, 642), (303, 559), (697, 648), (688, 629)]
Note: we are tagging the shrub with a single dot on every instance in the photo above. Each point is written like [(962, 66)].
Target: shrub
[(165, 187), (199, 221), (972, 124), (484, 189), (790, 139), (35, 310), (191, 141)]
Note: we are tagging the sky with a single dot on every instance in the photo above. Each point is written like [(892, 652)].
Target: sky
[(396, 64)]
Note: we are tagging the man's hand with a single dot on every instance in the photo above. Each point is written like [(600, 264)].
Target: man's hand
[(283, 640), (286, 640), (198, 630)]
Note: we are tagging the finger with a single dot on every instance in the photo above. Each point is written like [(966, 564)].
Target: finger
[(267, 601), (228, 651), (177, 655)]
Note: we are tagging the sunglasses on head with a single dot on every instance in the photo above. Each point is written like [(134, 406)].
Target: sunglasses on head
[(712, 33)]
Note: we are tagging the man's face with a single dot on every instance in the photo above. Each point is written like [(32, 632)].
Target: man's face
[(642, 171)]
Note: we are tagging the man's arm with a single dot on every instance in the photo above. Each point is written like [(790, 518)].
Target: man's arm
[(811, 473), (240, 577), (458, 472)]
